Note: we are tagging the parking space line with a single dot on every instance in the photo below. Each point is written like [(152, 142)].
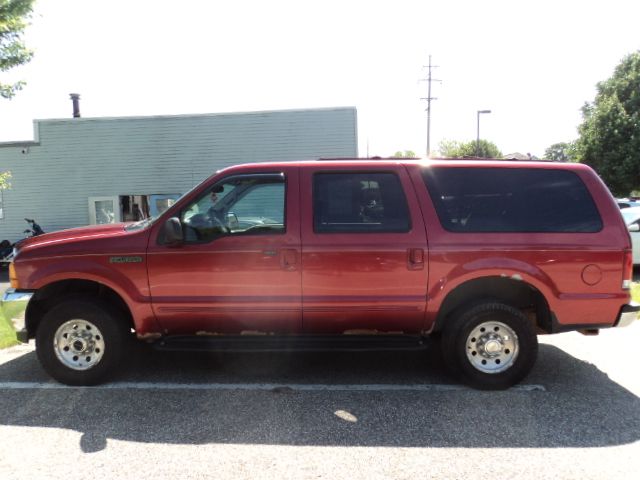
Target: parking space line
[(276, 387)]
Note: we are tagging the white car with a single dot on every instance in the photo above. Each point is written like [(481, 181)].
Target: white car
[(626, 203), (632, 219)]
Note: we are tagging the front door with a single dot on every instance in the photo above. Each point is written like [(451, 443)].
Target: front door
[(238, 270)]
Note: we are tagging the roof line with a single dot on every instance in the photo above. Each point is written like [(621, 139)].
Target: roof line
[(187, 115)]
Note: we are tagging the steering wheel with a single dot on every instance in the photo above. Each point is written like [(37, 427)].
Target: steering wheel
[(215, 220)]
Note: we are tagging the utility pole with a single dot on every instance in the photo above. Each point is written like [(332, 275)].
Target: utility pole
[(478, 137), (429, 79)]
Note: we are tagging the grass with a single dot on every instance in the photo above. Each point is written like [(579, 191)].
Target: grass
[(7, 333), (635, 292)]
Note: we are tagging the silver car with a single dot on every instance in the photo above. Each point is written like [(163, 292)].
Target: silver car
[(632, 219)]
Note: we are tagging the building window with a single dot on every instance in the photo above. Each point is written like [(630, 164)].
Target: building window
[(1, 206), (104, 210), (140, 207), (129, 208)]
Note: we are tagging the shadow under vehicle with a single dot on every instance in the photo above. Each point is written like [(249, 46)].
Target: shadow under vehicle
[(577, 405)]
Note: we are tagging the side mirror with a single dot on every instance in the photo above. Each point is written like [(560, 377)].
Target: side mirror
[(634, 227), (173, 235)]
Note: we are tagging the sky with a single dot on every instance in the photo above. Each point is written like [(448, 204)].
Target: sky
[(533, 64)]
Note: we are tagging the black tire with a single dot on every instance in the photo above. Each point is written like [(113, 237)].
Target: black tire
[(95, 316), (469, 358)]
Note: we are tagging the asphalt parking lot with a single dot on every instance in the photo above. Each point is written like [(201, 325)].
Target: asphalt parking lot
[(327, 415)]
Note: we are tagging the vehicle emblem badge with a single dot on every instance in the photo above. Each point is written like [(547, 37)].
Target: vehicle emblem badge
[(125, 259)]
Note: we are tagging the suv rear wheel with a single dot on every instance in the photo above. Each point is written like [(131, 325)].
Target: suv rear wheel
[(80, 341), (490, 345)]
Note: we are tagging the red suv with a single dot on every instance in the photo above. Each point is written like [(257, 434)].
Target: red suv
[(339, 254)]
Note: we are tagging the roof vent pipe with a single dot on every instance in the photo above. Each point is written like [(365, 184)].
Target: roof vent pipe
[(75, 98)]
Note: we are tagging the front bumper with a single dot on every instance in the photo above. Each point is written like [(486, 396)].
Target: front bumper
[(13, 306), (628, 313)]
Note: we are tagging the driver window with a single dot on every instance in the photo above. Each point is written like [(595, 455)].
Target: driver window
[(238, 205)]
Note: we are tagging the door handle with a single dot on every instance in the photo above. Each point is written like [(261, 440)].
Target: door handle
[(415, 258)]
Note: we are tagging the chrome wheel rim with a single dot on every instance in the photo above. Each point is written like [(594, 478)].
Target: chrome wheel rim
[(78, 344), (492, 347)]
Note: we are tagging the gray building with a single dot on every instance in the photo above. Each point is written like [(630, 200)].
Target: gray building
[(80, 171)]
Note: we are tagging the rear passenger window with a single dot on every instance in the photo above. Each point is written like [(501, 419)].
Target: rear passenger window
[(511, 200), (359, 203)]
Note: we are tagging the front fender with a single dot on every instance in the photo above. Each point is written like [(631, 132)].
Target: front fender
[(127, 280)]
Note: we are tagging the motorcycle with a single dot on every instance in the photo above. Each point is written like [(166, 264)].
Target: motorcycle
[(35, 229), (7, 248)]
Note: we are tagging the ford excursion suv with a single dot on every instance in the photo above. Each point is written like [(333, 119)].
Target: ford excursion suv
[(481, 256)]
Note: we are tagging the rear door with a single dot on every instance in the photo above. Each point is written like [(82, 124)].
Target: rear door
[(364, 251)]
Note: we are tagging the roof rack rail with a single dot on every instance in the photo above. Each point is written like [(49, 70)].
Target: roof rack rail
[(479, 159), (364, 159)]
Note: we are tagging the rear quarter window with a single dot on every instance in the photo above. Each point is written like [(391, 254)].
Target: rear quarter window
[(511, 200)]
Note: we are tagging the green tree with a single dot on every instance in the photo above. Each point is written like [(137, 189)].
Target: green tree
[(405, 154), (610, 132), (4, 180), (455, 149), (14, 16), (449, 148), (561, 152)]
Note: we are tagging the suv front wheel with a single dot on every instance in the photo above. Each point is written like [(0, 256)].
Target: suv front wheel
[(490, 345), (81, 341)]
